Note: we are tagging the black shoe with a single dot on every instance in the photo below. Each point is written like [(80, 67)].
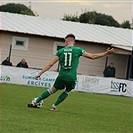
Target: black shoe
[(31, 105)]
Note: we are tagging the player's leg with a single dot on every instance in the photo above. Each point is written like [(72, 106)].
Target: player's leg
[(57, 85), (63, 95), (44, 95), (60, 99)]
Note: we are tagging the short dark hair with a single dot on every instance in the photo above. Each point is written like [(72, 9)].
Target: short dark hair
[(70, 35)]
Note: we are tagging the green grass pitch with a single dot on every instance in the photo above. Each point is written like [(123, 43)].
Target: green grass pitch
[(79, 113)]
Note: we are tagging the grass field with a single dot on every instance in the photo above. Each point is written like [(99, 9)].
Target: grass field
[(79, 113)]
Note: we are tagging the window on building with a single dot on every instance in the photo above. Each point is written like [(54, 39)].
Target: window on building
[(57, 46), (20, 43)]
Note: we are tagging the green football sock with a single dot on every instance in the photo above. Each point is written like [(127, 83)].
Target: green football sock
[(61, 98), (44, 95)]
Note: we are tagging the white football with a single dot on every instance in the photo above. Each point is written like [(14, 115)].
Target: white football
[(39, 105)]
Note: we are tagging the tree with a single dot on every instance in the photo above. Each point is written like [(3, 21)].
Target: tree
[(71, 17), (17, 8), (96, 18), (126, 24), (88, 17)]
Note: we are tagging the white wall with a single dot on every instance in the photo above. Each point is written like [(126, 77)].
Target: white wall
[(40, 51)]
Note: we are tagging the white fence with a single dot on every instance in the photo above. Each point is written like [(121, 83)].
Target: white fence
[(90, 84)]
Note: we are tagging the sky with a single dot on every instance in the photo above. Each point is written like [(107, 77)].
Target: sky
[(120, 10)]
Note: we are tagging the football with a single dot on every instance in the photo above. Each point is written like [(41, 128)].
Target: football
[(39, 105)]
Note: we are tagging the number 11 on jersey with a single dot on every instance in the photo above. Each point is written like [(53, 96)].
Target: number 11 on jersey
[(68, 59)]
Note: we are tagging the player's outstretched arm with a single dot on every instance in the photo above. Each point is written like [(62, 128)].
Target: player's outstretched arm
[(47, 67), (98, 55)]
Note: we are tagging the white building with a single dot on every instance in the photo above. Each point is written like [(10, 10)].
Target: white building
[(37, 40)]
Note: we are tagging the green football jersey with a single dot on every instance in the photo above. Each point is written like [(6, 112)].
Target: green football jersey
[(69, 60)]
